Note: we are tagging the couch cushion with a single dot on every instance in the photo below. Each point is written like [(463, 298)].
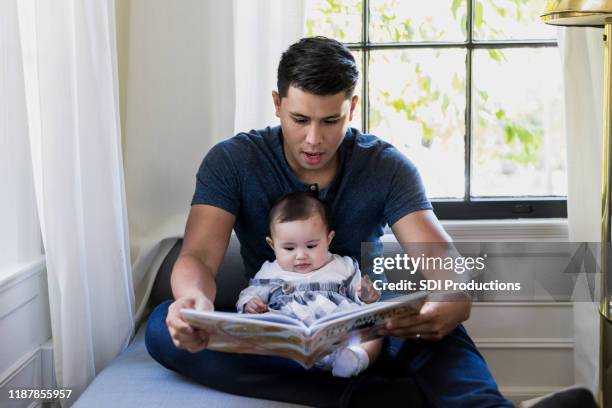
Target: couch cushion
[(134, 379)]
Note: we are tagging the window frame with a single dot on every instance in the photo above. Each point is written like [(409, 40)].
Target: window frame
[(468, 207)]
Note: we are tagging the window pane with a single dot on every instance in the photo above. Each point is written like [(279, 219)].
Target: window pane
[(510, 20), (338, 19), (518, 146), (417, 102), (357, 116), (433, 20)]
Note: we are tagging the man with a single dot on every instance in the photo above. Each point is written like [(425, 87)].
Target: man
[(367, 184)]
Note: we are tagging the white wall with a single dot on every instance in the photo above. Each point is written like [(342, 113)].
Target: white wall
[(167, 78)]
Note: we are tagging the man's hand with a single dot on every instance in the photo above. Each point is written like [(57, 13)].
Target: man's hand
[(183, 335), (366, 291), (435, 320), (255, 305), (418, 231)]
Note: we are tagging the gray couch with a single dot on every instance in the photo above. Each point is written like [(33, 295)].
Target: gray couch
[(134, 379)]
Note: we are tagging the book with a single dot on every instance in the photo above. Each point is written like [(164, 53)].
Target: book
[(276, 334)]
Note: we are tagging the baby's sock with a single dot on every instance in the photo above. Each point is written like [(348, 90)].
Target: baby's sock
[(326, 363), (350, 361)]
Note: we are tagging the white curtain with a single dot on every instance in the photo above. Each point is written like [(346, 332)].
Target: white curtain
[(277, 24), (71, 87), (20, 241), (582, 61), (198, 72)]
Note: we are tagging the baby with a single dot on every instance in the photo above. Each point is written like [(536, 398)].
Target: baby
[(306, 281)]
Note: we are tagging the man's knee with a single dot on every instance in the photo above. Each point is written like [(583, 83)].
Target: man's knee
[(157, 338), (160, 346)]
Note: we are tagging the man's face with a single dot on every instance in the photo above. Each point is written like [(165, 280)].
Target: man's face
[(313, 128), (302, 245)]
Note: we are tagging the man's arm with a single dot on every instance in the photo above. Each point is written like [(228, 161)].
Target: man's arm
[(436, 319), (206, 239), (419, 226)]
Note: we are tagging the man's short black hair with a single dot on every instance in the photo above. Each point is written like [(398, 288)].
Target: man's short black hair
[(317, 65), (295, 206)]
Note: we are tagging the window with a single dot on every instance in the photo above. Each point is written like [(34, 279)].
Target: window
[(470, 90)]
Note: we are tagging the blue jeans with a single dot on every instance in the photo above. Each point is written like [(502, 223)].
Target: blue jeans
[(449, 373)]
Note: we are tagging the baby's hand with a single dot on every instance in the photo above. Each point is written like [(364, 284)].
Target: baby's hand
[(255, 305), (366, 290)]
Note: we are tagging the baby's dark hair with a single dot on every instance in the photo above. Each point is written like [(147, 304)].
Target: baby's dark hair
[(299, 205)]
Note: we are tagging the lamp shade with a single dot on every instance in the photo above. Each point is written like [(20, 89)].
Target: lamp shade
[(591, 13)]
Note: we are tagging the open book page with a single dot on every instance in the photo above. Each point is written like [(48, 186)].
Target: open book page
[(414, 300), (358, 326), (280, 335), (271, 316), (273, 334)]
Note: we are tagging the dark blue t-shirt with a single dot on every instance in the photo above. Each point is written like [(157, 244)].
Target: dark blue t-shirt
[(375, 185)]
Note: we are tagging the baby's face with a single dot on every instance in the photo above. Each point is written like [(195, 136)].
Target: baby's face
[(301, 246)]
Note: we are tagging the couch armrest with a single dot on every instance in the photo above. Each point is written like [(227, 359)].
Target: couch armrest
[(230, 277)]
